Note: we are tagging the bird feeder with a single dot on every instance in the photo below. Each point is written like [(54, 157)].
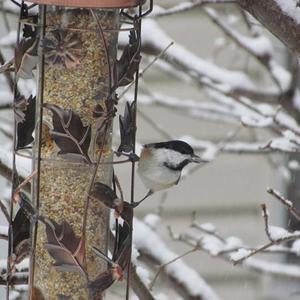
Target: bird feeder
[(74, 43)]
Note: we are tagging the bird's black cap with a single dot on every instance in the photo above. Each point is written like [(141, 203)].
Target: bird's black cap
[(176, 145)]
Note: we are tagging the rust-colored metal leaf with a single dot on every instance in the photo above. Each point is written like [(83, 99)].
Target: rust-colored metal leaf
[(21, 228), (129, 62), (102, 282), (26, 57), (37, 294), (127, 128), (30, 31), (69, 133), (65, 247), (122, 250), (24, 110), (22, 251), (118, 263), (108, 197)]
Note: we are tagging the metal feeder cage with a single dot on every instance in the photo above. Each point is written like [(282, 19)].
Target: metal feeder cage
[(69, 48)]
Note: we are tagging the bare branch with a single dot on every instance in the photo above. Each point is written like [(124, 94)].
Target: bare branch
[(187, 6), (6, 172), (265, 215), (162, 266), (286, 202)]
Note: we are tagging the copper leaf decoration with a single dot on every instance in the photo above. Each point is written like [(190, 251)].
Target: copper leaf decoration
[(108, 197), (62, 48), (21, 234), (102, 282), (127, 128), (26, 57), (37, 294), (118, 263), (69, 133), (65, 247), (129, 61), (20, 227), (25, 118), (28, 29)]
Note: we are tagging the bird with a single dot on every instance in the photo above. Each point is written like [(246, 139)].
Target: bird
[(161, 163)]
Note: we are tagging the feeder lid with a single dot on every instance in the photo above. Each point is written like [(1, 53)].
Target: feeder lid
[(91, 3)]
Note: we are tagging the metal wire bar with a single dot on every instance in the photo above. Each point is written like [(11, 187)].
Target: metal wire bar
[(138, 30), (15, 176), (42, 16)]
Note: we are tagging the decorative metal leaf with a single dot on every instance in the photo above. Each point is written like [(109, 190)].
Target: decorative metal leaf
[(29, 31), (127, 128), (65, 247), (26, 206), (108, 197), (105, 194), (22, 251), (118, 263), (25, 117), (123, 245), (70, 135), (102, 282), (20, 228), (26, 57), (129, 61), (37, 294), (62, 48)]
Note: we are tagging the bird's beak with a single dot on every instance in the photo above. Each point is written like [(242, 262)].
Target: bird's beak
[(197, 159)]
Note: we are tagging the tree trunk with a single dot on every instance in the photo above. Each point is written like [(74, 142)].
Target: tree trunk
[(271, 15), (77, 79)]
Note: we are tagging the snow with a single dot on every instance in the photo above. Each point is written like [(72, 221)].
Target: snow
[(5, 97), (282, 75), (9, 40), (277, 233), (143, 274), (233, 242), (23, 164), (289, 7), (283, 144), (152, 220), (293, 165), (208, 227), (157, 38), (296, 99), (291, 136), (148, 241), (273, 268), (259, 45), (212, 244), (239, 254), (3, 230), (256, 122), (296, 247)]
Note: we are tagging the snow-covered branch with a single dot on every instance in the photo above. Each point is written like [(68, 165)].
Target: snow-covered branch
[(147, 241)]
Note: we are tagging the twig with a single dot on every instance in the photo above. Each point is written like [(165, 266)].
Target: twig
[(138, 286), (162, 266), (265, 215), (4, 210), (285, 202), (187, 6), (6, 172), (159, 55)]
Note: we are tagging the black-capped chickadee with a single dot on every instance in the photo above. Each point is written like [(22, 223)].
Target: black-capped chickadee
[(160, 164)]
